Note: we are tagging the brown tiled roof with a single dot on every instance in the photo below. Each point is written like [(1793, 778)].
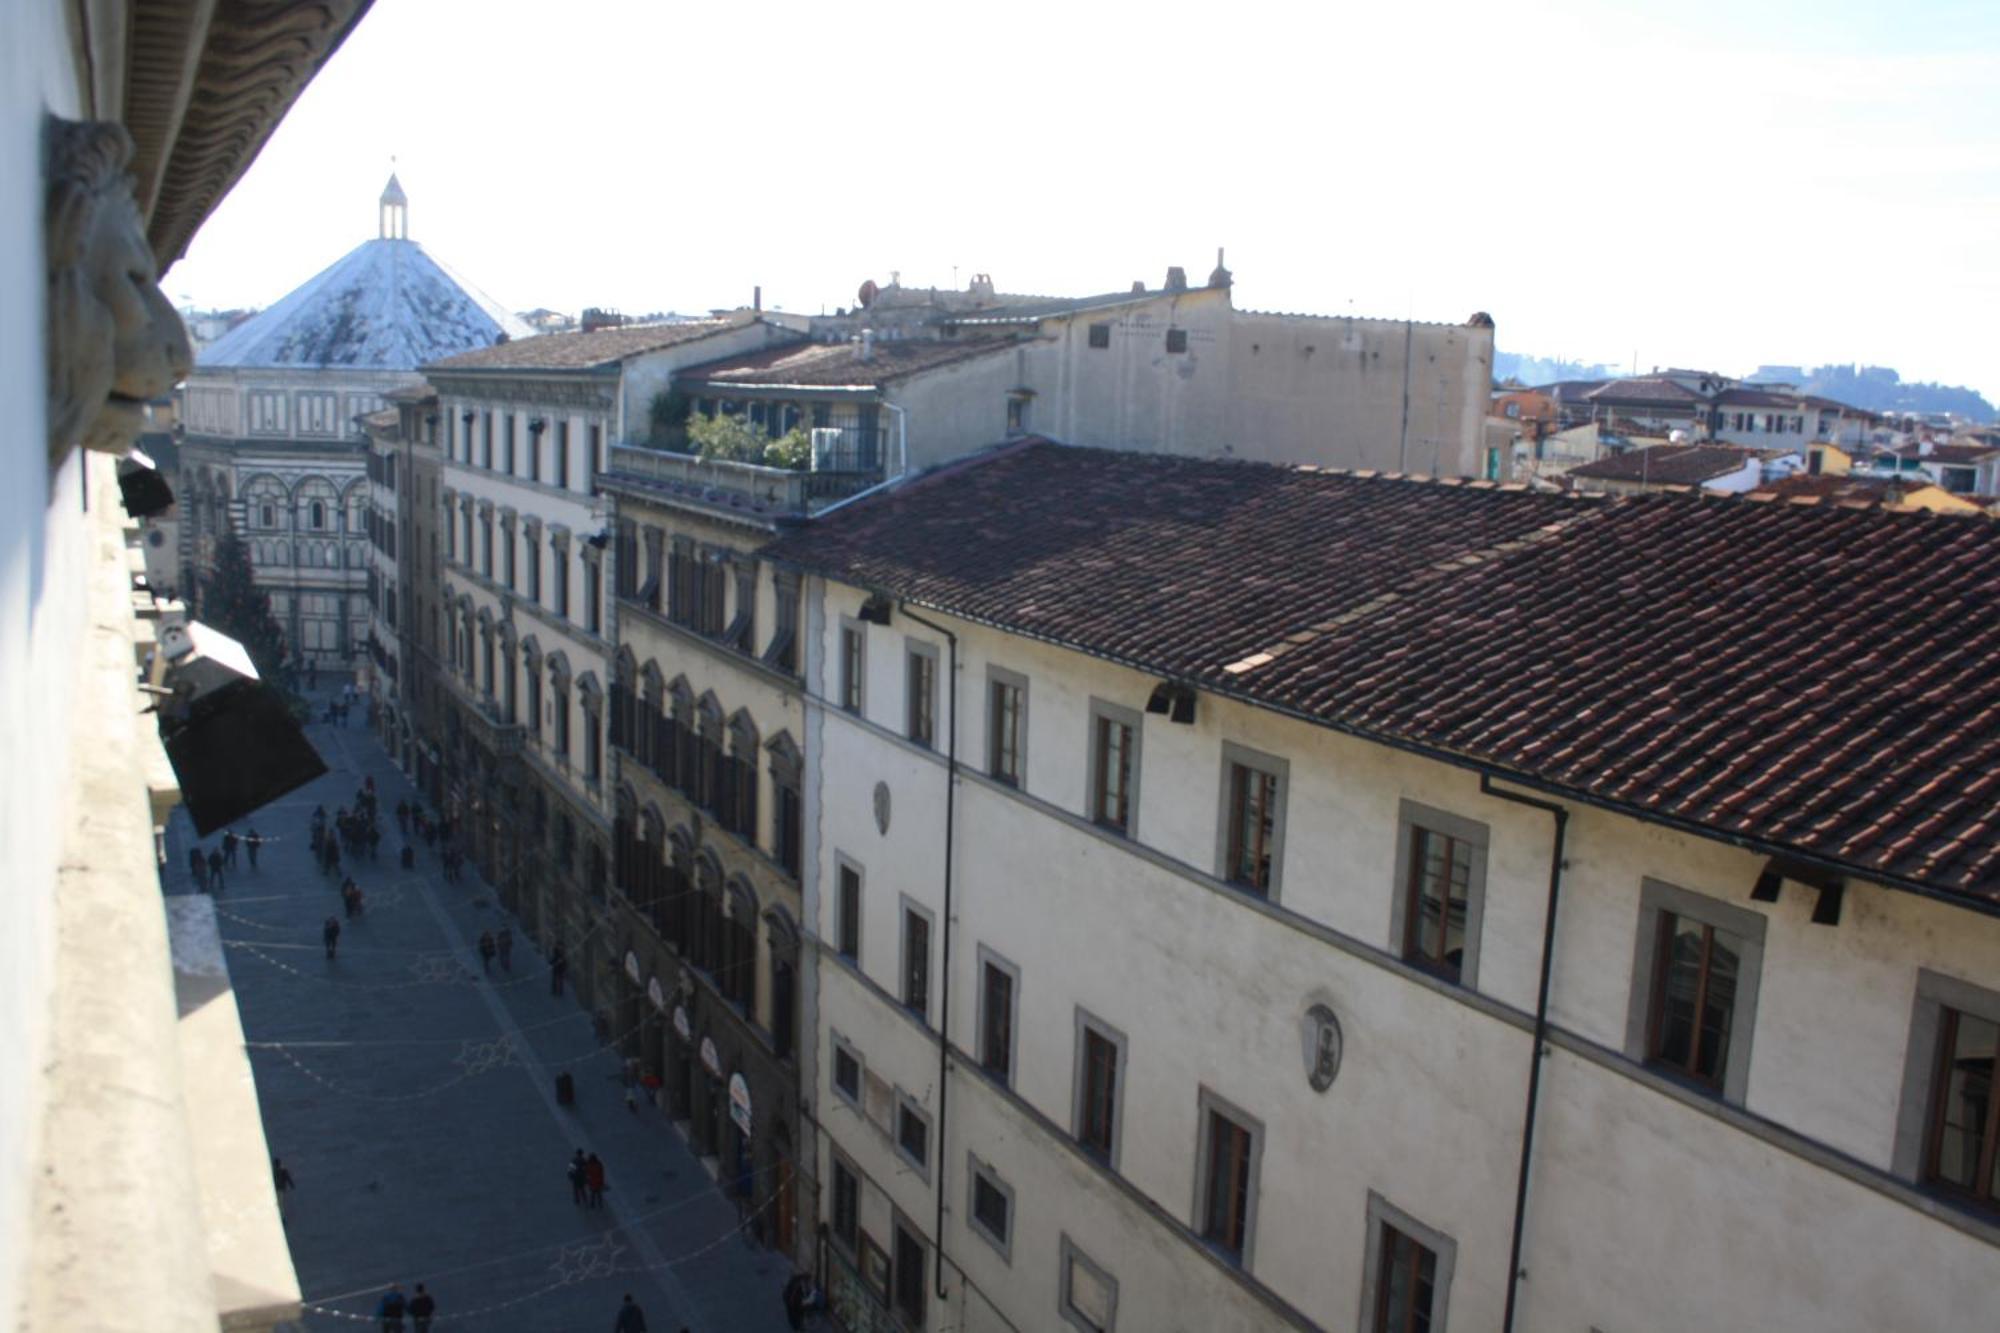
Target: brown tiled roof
[(1953, 453), (1645, 389), (580, 351), (1663, 656), (1835, 488), (1667, 464), (836, 365), (1757, 398)]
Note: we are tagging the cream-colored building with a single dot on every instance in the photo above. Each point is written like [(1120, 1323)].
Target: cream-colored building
[(526, 427), (707, 736), (135, 1184), (1197, 959)]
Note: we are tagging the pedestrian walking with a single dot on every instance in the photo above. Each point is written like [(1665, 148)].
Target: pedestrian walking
[(374, 840), (506, 942), (352, 901), (198, 867), (631, 1319), (391, 1309), (409, 857), (229, 848), (579, 1180), (487, 948), (558, 969), (215, 872), (251, 842), (281, 1182), (593, 1173), (330, 933), (403, 818), (422, 1310)]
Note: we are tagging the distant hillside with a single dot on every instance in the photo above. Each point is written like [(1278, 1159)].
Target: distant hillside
[(1545, 370), (1880, 389), (1877, 388)]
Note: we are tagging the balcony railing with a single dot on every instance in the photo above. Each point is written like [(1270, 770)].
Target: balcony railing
[(484, 720), (846, 468)]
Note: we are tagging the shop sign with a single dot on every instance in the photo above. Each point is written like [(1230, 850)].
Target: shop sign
[(632, 966), (681, 1025), (739, 1101), (710, 1059), (657, 994)]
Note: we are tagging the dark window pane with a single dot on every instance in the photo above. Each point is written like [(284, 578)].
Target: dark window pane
[(1227, 1214), (998, 1039), (1100, 1091), (1440, 879), (1962, 1139), (913, 1134), (1407, 1285), (916, 962), (989, 1205)]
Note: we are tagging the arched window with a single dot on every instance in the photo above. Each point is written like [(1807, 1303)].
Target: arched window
[(705, 931), (684, 752), (788, 810), (531, 672), (782, 933), (736, 973), (708, 764), (316, 516), (678, 910), (624, 843), (590, 700), (270, 516), (739, 784)]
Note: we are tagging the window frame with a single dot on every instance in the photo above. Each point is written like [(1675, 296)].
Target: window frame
[(842, 917), (1073, 1255), (853, 669), (1213, 1104), (989, 958), (998, 677), (1410, 817), (1103, 711), (977, 1170), (1234, 754), (1917, 1113), (1444, 1250), (841, 1045), (914, 651), (1657, 898), (1088, 1023), (840, 1166), (914, 910), (899, 1228), (908, 1106)]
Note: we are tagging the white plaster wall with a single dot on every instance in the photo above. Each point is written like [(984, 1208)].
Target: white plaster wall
[(43, 555), (1135, 394), (962, 407), (1209, 991), (644, 376)]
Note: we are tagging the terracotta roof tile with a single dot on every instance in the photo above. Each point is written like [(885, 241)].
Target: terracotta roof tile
[(581, 351), (1667, 464), (1743, 668), (835, 365)]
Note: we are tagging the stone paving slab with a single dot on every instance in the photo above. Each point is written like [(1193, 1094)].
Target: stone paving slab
[(412, 1099)]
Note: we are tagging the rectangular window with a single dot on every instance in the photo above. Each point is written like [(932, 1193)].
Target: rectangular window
[(1100, 336), (562, 454), (593, 596), (847, 924), (910, 1277), (1114, 766), (997, 997), (1695, 979), (913, 1133), (846, 1207), (559, 578), (1253, 792), (847, 1067), (1100, 1058), (509, 454), (507, 557), (992, 1205), (1406, 1272), (1226, 1181), (486, 441), (1441, 891), (916, 959), (1176, 341), (1006, 725), (783, 652), (853, 645), (534, 569), (1959, 1156), (1089, 1296), (920, 691)]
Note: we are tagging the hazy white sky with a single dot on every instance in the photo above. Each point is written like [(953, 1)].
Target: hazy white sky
[(1692, 182)]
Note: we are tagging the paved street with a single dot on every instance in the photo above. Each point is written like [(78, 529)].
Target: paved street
[(413, 1101)]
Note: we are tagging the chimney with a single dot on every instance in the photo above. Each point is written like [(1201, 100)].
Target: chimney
[(1176, 279), (1138, 287), (757, 298), (867, 344), (1221, 277)]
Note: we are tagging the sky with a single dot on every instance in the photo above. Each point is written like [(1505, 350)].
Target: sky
[(1713, 183)]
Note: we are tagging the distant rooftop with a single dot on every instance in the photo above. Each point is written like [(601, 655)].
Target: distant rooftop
[(1667, 464), (583, 351), (835, 365)]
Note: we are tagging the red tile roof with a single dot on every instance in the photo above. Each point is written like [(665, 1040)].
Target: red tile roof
[(1667, 464), (1838, 488), (1952, 453), (836, 365), (1758, 398), (1664, 656), (1645, 389), (581, 351)]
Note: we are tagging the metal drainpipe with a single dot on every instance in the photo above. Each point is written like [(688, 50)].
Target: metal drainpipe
[(1561, 815), (944, 960)]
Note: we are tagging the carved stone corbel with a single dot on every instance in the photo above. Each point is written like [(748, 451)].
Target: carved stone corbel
[(114, 341)]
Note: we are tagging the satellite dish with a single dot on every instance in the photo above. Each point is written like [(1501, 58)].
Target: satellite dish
[(869, 291)]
